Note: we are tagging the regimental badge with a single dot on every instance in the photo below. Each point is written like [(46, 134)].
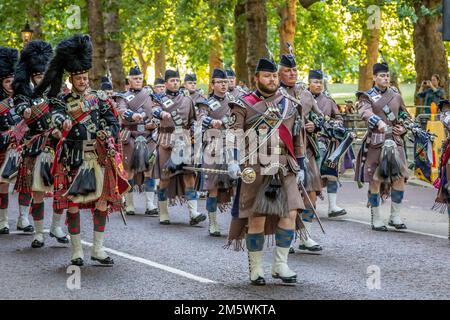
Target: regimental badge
[(213, 104), (376, 97), (129, 97), (167, 102)]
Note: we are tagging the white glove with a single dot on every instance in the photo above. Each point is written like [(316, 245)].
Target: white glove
[(301, 177), (234, 171), (382, 126)]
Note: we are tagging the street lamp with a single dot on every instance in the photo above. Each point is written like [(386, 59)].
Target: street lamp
[(26, 33)]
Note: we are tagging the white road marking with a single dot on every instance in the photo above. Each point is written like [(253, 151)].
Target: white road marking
[(154, 264), (20, 232), (407, 230), (150, 263)]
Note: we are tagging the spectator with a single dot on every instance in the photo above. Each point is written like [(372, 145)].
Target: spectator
[(349, 107), (431, 91), (243, 85)]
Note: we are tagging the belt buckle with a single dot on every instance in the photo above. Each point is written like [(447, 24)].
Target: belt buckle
[(140, 127)]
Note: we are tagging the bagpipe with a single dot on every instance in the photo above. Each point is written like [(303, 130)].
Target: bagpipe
[(340, 141), (423, 146), (11, 140)]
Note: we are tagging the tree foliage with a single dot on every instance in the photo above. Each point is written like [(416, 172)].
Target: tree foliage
[(328, 33)]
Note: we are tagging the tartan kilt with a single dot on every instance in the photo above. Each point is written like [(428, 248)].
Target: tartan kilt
[(62, 184), (2, 156), (24, 179)]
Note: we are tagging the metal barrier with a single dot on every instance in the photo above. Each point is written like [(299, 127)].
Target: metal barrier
[(354, 123)]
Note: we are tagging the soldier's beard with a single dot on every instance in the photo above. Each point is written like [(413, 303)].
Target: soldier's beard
[(267, 90)]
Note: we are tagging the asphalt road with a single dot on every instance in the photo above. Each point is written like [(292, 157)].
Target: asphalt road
[(184, 262)]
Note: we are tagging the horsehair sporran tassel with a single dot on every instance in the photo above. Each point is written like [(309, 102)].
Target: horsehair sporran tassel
[(390, 168), (45, 170), (94, 173), (42, 177), (10, 166), (271, 198), (141, 155)]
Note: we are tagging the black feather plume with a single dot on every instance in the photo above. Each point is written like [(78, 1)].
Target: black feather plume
[(8, 61), (73, 55), (33, 59)]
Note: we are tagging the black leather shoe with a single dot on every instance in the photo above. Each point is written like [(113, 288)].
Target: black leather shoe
[(5, 230), (258, 282), (335, 214), (29, 228), (77, 262), (215, 234), (37, 244), (382, 228), (130, 213), (291, 250), (165, 222), (61, 239), (201, 217), (315, 248), (289, 280), (106, 261), (152, 213), (401, 226)]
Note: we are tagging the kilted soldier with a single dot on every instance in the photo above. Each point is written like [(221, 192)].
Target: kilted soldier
[(87, 167), (215, 114), (190, 85), (269, 123), (177, 116), (329, 109), (381, 160), (38, 151), (8, 143), (310, 112), (107, 87), (235, 90), (159, 86), (443, 197), (135, 108)]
